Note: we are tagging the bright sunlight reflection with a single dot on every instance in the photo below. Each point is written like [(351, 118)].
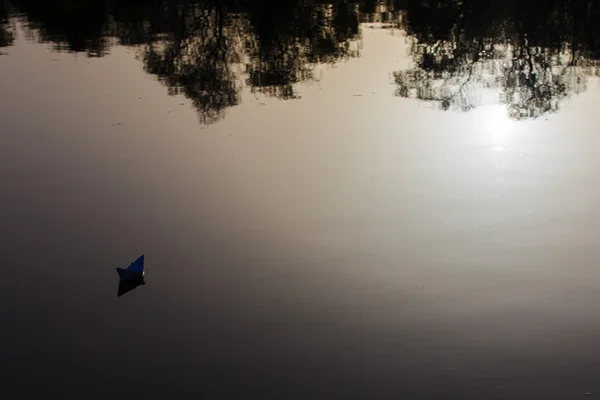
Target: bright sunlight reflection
[(498, 126)]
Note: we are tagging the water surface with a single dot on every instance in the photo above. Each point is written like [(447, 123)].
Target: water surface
[(358, 201)]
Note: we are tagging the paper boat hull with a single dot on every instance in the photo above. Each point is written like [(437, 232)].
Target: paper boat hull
[(128, 275)]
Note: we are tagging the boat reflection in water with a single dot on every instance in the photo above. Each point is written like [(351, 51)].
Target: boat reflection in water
[(129, 285)]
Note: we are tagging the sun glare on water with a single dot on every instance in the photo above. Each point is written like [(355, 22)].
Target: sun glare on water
[(498, 126)]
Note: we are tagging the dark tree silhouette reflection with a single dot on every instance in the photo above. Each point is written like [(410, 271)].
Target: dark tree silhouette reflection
[(290, 39), (7, 35), (536, 53), (527, 54), (75, 26), (207, 50), (200, 58)]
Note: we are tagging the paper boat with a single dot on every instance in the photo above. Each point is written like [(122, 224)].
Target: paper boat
[(135, 271)]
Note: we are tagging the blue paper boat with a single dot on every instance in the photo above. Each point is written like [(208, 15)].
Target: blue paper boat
[(135, 271)]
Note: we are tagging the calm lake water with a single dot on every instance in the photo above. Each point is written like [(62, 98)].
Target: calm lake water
[(336, 200)]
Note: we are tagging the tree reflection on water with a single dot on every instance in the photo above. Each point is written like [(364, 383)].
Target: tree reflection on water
[(529, 55), (536, 52), (6, 30)]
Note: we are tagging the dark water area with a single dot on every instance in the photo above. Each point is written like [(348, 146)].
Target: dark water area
[(335, 199)]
